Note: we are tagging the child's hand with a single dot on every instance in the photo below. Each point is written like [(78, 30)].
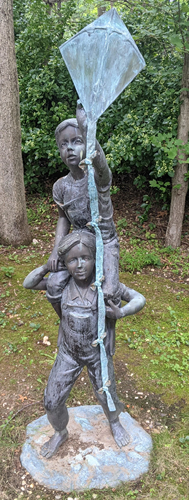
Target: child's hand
[(113, 312), (52, 262), (81, 116)]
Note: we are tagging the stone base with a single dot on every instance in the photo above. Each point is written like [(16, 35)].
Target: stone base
[(90, 457)]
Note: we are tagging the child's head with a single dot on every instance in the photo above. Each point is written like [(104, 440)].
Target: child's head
[(70, 143), (77, 250), (72, 122)]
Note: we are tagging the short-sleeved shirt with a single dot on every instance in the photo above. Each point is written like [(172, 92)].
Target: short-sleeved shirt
[(72, 197)]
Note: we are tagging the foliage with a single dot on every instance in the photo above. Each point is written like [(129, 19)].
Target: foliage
[(47, 95), (148, 109), (138, 132), (142, 256), (132, 122), (138, 259), (8, 271), (139, 246)]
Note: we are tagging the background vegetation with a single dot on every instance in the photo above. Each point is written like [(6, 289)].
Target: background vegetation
[(139, 130)]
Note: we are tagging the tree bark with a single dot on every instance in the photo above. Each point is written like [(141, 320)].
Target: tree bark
[(178, 196), (14, 227), (101, 11)]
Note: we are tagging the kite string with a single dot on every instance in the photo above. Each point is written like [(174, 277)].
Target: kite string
[(93, 196)]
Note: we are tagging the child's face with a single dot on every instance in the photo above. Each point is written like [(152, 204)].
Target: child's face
[(71, 146), (80, 263)]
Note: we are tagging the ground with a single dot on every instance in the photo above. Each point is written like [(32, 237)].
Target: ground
[(151, 349)]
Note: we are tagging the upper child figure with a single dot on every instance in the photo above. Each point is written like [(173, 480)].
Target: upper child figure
[(71, 196)]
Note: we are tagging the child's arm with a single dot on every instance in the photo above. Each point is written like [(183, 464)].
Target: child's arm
[(135, 302), (62, 228), (102, 171)]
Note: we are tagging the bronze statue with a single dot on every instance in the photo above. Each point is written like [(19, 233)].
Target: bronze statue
[(71, 265), (78, 347), (88, 308)]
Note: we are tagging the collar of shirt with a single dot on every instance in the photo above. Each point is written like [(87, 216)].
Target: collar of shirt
[(74, 292)]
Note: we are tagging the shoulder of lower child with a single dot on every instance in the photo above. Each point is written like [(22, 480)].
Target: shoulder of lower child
[(62, 180), (59, 185)]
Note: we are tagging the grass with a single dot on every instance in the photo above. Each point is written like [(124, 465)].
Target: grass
[(151, 359), (161, 337), (145, 250)]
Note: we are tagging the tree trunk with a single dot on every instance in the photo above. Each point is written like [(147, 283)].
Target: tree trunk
[(14, 227), (178, 196), (101, 11)]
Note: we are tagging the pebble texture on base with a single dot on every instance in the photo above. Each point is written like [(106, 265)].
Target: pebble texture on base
[(90, 457)]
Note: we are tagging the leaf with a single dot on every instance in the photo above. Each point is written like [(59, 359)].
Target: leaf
[(185, 8), (22, 398), (176, 40), (181, 440), (172, 153), (153, 183), (35, 326)]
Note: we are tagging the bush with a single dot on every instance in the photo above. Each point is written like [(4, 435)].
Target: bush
[(138, 130), (149, 106), (138, 259), (47, 94)]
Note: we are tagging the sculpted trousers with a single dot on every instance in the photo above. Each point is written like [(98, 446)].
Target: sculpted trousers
[(64, 373)]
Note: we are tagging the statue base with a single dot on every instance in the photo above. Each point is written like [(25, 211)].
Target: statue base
[(90, 457)]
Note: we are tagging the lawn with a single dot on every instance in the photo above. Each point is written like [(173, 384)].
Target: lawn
[(151, 361)]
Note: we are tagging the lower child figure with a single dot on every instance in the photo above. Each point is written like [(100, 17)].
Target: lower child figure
[(77, 348)]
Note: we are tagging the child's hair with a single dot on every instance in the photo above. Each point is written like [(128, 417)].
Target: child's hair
[(70, 240), (72, 122)]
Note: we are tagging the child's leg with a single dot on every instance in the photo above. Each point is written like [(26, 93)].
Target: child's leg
[(110, 284), (64, 373), (120, 435), (110, 288), (58, 418)]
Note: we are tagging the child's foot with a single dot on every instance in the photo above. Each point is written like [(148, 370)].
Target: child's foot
[(50, 447), (119, 433)]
